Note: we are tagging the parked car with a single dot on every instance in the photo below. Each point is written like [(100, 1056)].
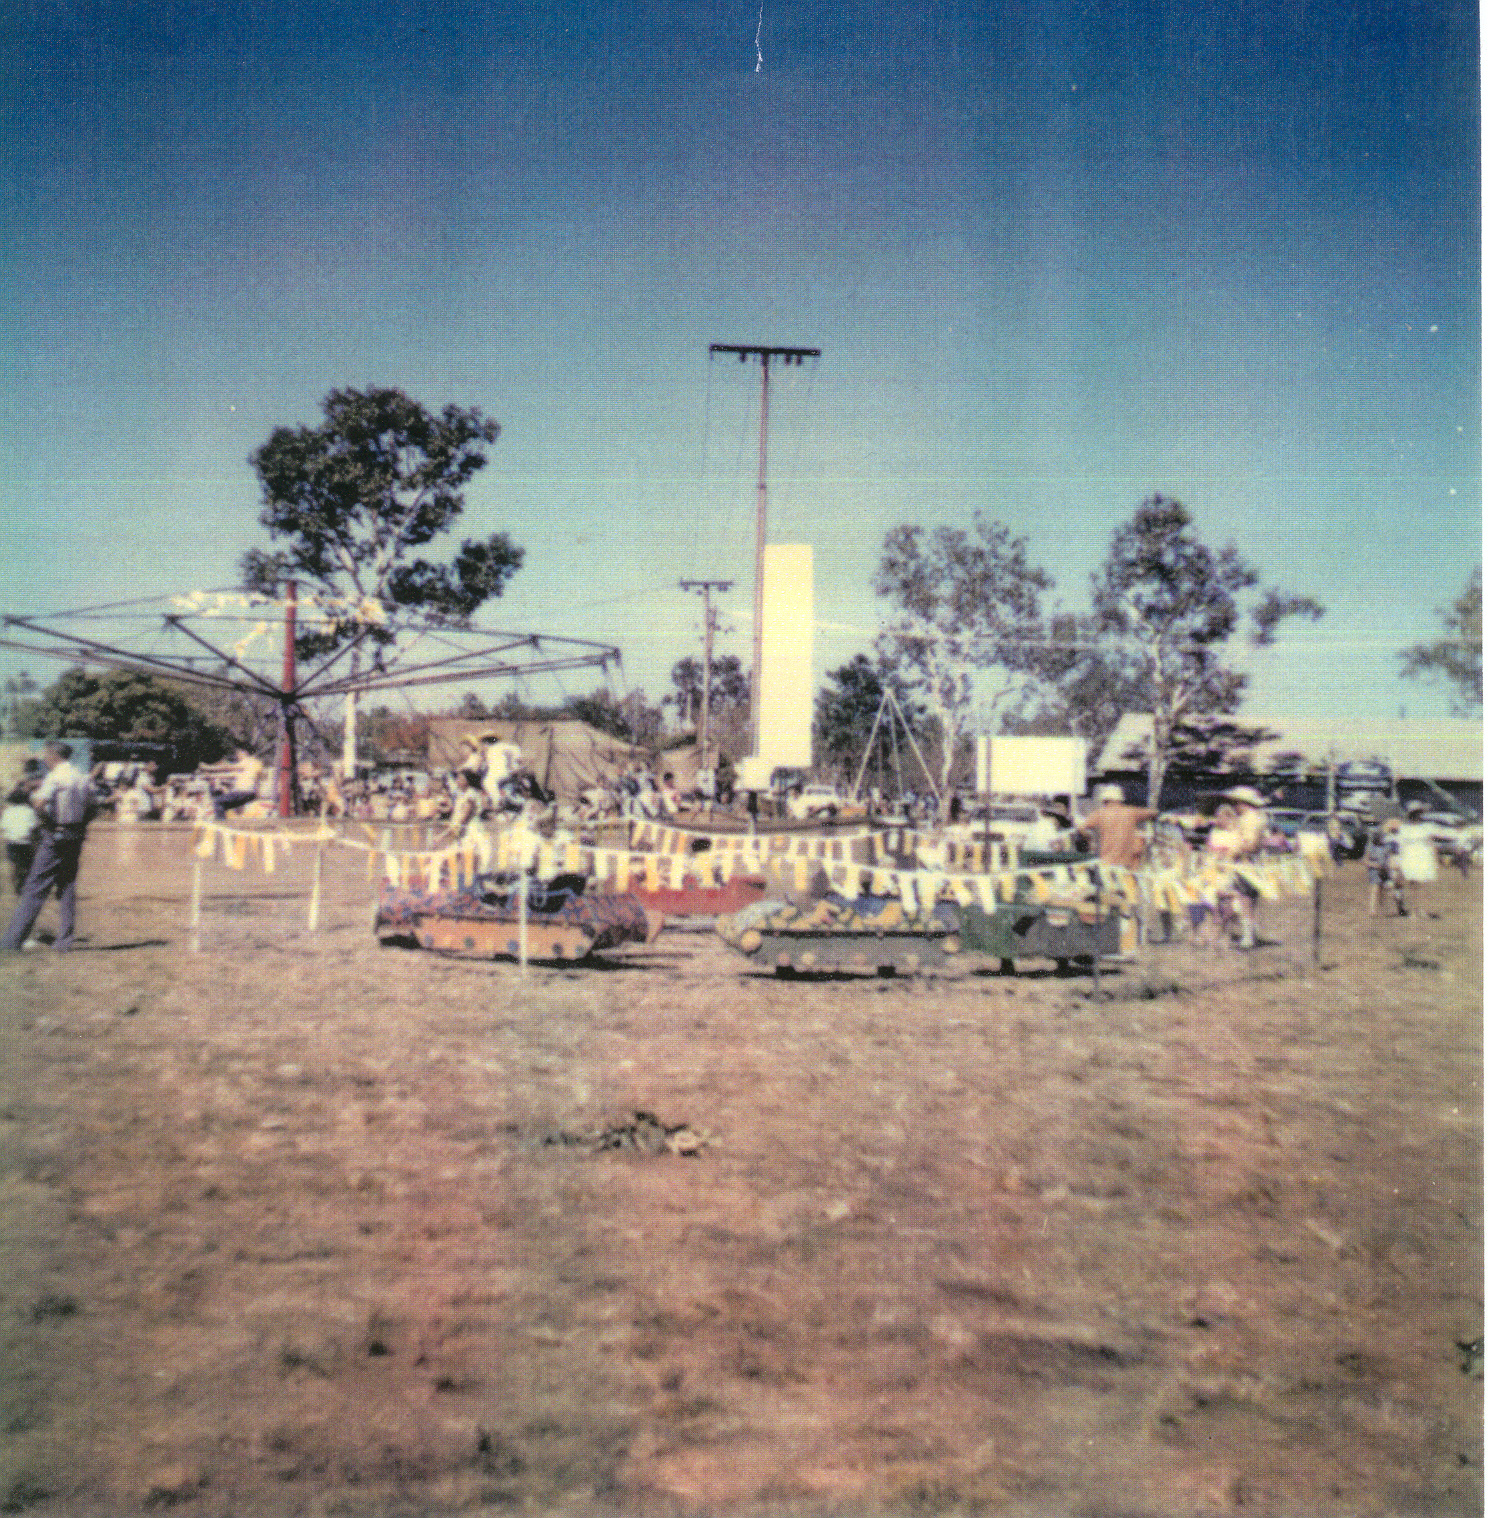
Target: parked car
[(815, 800), (1458, 839), (1347, 834)]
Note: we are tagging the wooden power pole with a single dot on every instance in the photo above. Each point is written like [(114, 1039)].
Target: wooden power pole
[(765, 355), (710, 623)]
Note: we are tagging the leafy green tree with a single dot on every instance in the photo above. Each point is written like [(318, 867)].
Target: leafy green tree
[(1458, 657), (349, 503), (631, 718), (965, 603), (728, 689), (19, 694), (391, 735), (846, 707), (126, 707), (1085, 686), (1170, 604)]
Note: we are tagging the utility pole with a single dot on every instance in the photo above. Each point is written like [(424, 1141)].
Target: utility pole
[(765, 355), (710, 623)]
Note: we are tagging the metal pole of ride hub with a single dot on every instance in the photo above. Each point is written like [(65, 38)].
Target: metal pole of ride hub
[(1317, 919)]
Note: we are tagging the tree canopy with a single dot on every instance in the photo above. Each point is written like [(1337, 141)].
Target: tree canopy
[(125, 707), (1458, 657), (348, 503), (1170, 604), (728, 687), (846, 707), (1086, 686), (964, 603)]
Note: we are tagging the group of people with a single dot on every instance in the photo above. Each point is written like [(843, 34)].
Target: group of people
[(1239, 832)]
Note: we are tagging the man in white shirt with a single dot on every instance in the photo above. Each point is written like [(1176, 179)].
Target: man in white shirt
[(62, 802)]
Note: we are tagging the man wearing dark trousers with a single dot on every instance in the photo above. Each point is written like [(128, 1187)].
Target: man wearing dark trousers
[(62, 802)]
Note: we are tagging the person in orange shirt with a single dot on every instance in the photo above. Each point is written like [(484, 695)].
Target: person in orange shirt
[(1115, 826)]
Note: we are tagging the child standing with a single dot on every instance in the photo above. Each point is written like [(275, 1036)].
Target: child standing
[(20, 824)]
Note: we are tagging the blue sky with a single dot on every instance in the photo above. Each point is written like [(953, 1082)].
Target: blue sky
[(1057, 257)]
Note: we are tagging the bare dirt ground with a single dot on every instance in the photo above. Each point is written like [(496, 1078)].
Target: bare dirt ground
[(281, 1233)]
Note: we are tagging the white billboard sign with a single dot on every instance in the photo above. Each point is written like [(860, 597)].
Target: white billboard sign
[(1031, 766)]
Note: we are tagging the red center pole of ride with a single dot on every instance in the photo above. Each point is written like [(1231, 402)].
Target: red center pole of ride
[(287, 685)]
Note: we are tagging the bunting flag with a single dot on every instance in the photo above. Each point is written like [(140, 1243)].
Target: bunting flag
[(673, 863)]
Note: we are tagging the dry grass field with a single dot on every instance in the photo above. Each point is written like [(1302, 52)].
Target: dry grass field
[(290, 1225)]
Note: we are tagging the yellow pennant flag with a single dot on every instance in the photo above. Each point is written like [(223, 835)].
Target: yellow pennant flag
[(907, 898), (882, 883), (237, 850), (206, 842), (985, 894), (620, 864), (1043, 889), (652, 873), (1007, 887), (268, 853)]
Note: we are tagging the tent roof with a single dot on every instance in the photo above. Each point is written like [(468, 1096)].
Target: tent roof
[(1443, 749), (566, 755)]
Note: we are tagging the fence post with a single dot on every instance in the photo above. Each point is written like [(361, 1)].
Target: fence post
[(522, 915), (312, 917)]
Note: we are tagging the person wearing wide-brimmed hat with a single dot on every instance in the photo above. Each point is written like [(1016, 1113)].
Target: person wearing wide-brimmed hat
[(1249, 828)]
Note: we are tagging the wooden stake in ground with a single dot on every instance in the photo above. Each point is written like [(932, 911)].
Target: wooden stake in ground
[(522, 916), (312, 918), (196, 873), (1317, 918), (1100, 901)]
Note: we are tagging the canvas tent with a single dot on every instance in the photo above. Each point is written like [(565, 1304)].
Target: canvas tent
[(566, 756)]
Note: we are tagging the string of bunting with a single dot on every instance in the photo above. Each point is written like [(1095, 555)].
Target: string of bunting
[(861, 845), (1171, 888)]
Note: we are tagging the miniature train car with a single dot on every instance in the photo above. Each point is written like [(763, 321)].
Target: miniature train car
[(484, 921), (873, 932)]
